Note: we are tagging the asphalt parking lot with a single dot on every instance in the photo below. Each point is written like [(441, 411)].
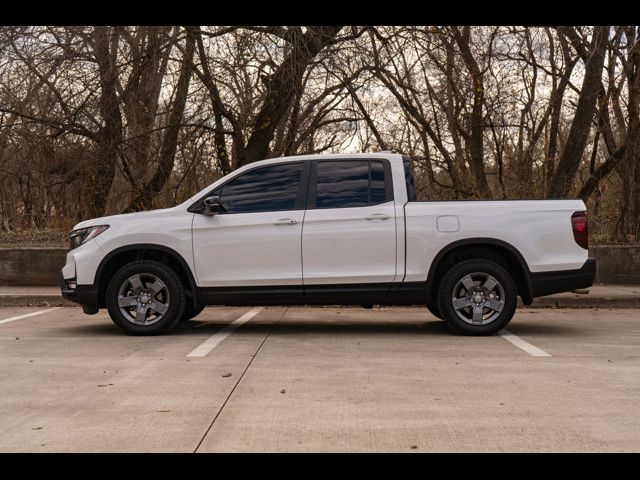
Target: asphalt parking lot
[(323, 379)]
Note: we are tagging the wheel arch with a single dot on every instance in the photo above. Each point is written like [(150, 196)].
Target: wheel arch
[(144, 251), (489, 248)]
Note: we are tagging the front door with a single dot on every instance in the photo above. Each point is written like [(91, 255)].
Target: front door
[(256, 240)]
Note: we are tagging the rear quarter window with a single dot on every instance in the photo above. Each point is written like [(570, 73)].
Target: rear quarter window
[(351, 183)]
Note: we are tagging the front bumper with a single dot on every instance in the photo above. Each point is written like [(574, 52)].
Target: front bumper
[(85, 295), (78, 275), (548, 283)]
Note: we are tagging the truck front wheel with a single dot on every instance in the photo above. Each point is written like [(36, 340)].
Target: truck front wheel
[(145, 298), (477, 297), (190, 311)]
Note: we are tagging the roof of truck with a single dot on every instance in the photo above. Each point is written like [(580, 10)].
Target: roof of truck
[(329, 156)]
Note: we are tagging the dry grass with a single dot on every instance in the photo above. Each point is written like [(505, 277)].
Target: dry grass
[(33, 238)]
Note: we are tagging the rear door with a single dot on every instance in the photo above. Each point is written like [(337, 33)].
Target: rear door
[(349, 230)]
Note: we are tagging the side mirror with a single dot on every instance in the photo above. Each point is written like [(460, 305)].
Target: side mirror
[(211, 205)]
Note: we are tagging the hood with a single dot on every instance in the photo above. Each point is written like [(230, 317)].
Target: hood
[(110, 219)]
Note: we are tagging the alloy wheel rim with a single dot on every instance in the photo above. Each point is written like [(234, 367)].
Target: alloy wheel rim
[(478, 298), (143, 299)]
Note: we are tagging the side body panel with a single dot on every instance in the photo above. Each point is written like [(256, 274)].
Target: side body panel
[(248, 249), (169, 228), (340, 245), (540, 230)]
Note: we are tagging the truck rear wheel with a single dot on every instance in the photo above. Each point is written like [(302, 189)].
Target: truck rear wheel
[(477, 297), (145, 298), (433, 308)]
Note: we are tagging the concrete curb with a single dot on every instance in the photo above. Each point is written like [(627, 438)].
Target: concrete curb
[(581, 301), (584, 302), (10, 300)]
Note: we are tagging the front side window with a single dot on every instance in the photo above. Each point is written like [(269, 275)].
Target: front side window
[(350, 183), (264, 189)]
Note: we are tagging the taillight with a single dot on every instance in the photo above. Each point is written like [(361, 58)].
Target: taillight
[(580, 227)]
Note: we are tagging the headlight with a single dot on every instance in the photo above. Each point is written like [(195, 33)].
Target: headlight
[(82, 235)]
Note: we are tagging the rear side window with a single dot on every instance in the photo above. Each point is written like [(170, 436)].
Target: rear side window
[(264, 189), (350, 183)]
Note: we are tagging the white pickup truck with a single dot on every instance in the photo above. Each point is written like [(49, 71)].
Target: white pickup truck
[(327, 229)]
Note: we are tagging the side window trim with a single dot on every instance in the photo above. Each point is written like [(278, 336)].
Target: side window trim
[(388, 180), (313, 181), (301, 196), (313, 186), (407, 165), (301, 199)]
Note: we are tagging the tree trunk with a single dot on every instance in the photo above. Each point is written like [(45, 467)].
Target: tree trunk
[(633, 129), (144, 199), (599, 173), (282, 86), (219, 111), (140, 98), (565, 172), (110, 133), (476, 139)]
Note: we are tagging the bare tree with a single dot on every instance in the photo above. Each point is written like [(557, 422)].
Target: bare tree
[(569, 161), (104, 119), (170, 139)]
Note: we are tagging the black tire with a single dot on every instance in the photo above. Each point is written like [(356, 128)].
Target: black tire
[(433, 308), (172, 287), (452, 281), (191, 312)]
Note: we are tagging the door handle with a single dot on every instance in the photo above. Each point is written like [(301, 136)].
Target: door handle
[(377, 216), (285, 221)]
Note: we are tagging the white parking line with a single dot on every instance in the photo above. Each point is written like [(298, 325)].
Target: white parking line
[(214, 340), (523, 344), (26, 315)]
